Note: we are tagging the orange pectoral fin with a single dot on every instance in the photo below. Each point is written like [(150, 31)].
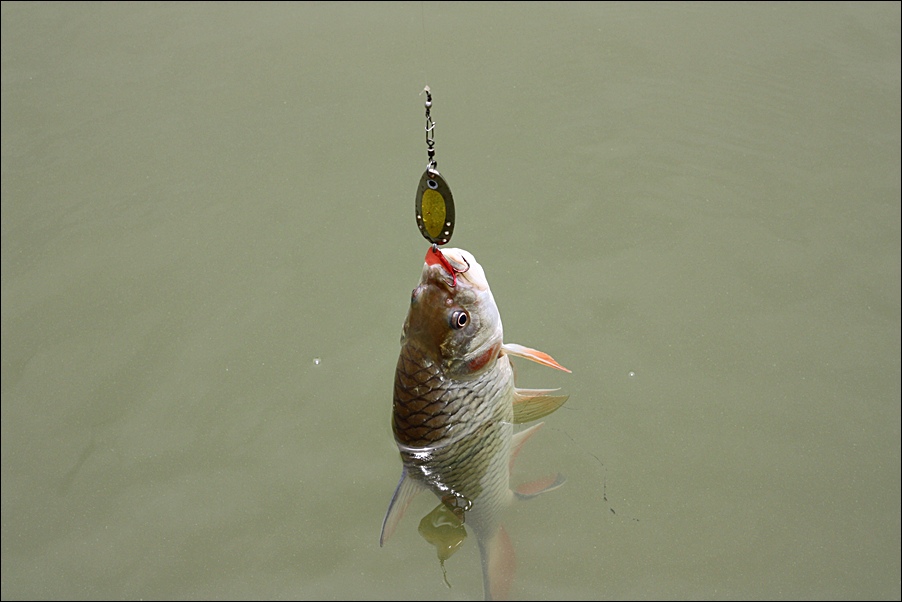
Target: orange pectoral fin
[(532, 354)]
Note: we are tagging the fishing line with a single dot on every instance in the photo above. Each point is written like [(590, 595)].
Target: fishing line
[(425, 59), (602, 465)]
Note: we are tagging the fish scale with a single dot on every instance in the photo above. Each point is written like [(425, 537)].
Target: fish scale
[(454, 410), (429, 408), (421, 415)]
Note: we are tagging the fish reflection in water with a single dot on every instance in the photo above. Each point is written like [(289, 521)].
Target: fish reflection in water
[(454, 414)]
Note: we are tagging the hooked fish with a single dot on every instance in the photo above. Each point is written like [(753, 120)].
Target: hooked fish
[(454, 410)]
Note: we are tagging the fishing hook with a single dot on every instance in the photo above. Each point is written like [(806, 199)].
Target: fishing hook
[(440, 258)]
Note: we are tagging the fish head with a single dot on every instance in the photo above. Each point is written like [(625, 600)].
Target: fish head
[(453, 318)]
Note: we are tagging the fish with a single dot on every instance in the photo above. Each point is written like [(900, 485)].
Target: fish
[(454, 410)]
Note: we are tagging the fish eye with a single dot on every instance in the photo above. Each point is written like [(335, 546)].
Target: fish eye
[(459, 319)]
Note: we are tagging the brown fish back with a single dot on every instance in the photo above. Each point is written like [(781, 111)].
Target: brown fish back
[(429, 408)]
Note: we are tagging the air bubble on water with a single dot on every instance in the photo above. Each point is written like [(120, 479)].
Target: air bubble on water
[(317, 361), (631, 374)]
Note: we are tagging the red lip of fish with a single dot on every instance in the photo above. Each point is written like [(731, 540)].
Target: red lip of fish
[(454, 410)]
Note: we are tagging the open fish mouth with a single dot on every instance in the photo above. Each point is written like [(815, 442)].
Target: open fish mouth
[(455, 264)]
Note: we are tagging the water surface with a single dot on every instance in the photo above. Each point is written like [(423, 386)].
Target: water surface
[(208, 246)]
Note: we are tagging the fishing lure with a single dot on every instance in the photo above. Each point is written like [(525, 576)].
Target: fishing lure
[(434, 202)]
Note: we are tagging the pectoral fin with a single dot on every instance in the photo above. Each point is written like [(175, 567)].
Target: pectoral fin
[(532, 404), (532, 354), (407, 490)]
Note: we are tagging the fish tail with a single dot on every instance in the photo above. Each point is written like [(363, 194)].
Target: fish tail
[(499, 563)]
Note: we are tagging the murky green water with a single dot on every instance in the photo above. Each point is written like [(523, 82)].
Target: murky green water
[(695, 207)]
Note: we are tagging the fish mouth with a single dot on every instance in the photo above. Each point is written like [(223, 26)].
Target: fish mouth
[(454, 265)]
